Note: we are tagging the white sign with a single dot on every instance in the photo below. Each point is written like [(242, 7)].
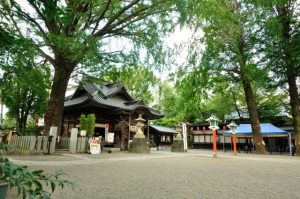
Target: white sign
[(95, 145), (184, 136), (110, 138)]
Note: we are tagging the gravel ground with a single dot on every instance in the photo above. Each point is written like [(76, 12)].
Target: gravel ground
[(173, 175)]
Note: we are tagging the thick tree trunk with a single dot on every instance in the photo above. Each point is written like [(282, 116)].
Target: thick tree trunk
[(294, 101), (254, 119), (291, 71), (250, 99), (55, 106)]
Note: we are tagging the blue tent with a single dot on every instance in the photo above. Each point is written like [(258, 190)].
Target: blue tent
[(267, 130)]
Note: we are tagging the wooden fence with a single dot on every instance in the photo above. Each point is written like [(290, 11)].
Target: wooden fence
[(30, 143), (26, 143)]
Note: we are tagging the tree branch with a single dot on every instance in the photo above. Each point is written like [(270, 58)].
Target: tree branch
[(115, 17), (30, 19), (101, 16)]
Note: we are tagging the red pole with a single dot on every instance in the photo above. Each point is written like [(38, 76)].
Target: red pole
[(234, 143), (215, 143)]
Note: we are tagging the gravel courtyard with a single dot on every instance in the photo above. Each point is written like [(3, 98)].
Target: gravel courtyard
[(168, 175)]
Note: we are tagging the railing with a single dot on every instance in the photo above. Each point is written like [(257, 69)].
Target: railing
[(40, 143), (23, 142), (64, 143)]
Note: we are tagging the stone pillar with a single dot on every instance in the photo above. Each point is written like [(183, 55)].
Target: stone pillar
[(73, 140), (139, 143), (177, 145), (53, 133)]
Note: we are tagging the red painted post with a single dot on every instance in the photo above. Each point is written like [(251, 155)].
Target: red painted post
[(215, 143), (234, 143)]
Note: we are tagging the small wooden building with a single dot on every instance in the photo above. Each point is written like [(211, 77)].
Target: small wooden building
[(201, 137), (115, 110), (162, 135)]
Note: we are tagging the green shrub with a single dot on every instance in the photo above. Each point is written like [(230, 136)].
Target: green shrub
[(88, 124), (82, 122)]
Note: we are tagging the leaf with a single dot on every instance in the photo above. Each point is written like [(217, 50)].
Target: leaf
[(53, 185)]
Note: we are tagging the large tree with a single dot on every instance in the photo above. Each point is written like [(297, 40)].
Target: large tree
[(24, 82), (281, 50), (72, 34), (229, 35)]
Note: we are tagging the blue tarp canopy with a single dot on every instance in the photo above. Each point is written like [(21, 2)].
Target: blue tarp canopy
[(267, 129)]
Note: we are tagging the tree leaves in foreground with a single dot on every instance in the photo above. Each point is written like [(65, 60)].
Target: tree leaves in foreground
[(31, 184)]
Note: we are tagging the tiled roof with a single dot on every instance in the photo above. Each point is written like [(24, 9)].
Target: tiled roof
[(106, 94), (163, 129), (75, 101)]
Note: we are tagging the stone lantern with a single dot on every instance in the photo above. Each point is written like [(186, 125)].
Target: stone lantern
[(139, 125), (178, 129), (139, 143), (177, 145)]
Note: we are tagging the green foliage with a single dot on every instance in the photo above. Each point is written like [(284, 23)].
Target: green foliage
[(139, 80), (85, 35), (83, 124), (88, 123), (24, 84), (30, 184), (9, 123), (170, 122)]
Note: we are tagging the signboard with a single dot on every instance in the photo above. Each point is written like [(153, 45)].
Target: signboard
[(184, 136), (95, 145), (110, 137)]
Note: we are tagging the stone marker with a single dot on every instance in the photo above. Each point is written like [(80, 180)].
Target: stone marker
[(53, 132), (73, 140)]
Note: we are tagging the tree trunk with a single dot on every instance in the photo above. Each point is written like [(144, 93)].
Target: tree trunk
[(291, 71), (254, 119), (55, 106), (251, 104), (294, 101)]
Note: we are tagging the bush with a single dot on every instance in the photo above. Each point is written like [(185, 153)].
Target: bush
[(88, 124)]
